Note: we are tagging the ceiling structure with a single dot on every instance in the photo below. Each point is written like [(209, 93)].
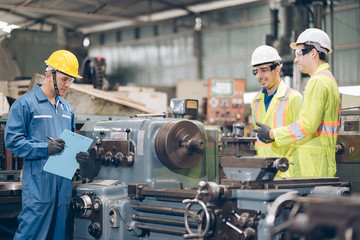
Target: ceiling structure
[(89, 16)]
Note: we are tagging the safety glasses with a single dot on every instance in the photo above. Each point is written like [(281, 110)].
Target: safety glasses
[(302, 52), (264, 69), (65, 78)]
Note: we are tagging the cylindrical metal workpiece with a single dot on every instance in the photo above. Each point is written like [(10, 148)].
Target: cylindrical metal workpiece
[(161, 230), (164, 221), (161, 210)]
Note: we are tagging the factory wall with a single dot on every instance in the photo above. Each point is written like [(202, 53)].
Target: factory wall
[(31, 48), (35, 47), (347, 43), (162, 54), (136, 56), (153, 63)]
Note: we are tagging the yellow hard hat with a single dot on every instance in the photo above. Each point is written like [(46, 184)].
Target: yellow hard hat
[(65, 62)]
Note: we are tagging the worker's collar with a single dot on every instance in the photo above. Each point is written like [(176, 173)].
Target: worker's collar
[(266, 94), (40, 95), (322, 67), (280, 91)]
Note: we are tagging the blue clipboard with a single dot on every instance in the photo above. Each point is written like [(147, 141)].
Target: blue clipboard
[(64, 163)]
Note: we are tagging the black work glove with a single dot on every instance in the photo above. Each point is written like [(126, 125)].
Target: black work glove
[(263, 131), (82, 157), (55, 146)]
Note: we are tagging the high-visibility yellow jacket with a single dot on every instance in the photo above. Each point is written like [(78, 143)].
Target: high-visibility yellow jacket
[(317, 127), (283, 110)]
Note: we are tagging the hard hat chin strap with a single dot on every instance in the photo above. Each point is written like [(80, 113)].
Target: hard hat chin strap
[(54, 81)]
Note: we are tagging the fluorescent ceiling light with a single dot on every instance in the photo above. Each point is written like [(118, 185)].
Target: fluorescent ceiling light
[(203, 7), (3, 24), (7, 28), (125, 23), (163, 15), (106, 26), (158, 16)]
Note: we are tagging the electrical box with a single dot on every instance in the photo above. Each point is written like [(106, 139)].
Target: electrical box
[(181, 107), (225, 104)]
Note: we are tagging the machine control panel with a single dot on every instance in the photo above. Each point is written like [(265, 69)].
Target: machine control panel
[(225, 101), (115, 151)]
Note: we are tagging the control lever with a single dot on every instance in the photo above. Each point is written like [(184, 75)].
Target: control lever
[(247, 233), (129, 158)]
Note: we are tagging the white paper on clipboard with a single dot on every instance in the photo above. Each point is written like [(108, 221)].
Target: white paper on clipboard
[(64, 163)]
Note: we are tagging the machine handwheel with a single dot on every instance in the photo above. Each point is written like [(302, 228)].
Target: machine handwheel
[(198, 218), (274, 210)]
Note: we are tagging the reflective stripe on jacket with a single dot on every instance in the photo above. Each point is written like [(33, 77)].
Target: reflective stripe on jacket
[(283, 110), (317, 127)]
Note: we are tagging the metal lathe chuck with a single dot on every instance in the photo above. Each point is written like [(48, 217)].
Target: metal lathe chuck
[(180, 144)]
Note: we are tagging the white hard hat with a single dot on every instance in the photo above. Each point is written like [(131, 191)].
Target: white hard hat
[(264, 54), (316, 37)]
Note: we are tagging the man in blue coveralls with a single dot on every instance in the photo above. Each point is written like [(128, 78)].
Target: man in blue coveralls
[(35, 116)]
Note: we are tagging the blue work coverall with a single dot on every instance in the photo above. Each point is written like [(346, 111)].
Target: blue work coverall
[(45, 196)]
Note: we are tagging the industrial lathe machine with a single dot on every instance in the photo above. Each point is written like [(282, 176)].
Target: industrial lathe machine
[(154, 177)]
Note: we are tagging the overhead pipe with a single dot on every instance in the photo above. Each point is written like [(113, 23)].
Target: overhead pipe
[(198, 46), (332, 35), (275, 22), (274, 18), (299, 22), (318, 7)]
